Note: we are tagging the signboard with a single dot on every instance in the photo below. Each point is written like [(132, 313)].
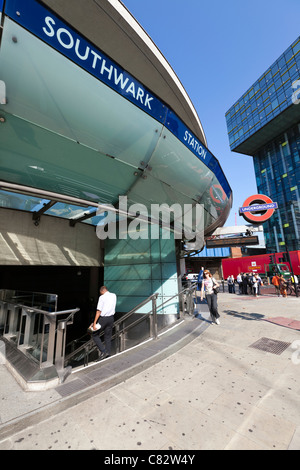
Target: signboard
[(234, 241), (258, 208), (254, 268)]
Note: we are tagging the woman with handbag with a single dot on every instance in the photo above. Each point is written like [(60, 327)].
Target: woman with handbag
[(211, 288)]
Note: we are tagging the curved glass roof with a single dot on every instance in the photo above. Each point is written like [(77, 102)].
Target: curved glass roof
[(78, 125)]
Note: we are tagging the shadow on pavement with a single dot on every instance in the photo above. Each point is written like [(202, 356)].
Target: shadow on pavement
[(245, 315)]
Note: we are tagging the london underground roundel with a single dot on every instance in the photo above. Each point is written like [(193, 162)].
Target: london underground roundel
[(258, 208), (217, 193)]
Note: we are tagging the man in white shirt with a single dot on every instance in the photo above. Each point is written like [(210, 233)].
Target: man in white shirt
[(239, 280), (105, 317)]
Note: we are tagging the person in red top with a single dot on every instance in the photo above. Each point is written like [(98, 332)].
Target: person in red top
[(276, 283)]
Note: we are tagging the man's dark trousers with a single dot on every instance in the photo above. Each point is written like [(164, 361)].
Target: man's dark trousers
[(106, 324)]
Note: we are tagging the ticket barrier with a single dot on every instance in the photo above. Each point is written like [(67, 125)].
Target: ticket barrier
[(34, 341)]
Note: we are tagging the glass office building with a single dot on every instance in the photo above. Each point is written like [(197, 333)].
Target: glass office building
[(265, 123)]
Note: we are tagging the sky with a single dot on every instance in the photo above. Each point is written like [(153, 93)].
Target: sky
[(218, 49)]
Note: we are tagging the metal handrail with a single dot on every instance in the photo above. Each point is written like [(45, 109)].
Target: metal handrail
[(45, 312), (116, 324), (56, 342), (131, 312), (150, 312), (86, 346)]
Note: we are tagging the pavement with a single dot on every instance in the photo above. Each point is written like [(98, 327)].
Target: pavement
[(199, 386)]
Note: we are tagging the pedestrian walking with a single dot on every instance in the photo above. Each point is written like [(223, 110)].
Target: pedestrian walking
[(276, 284), (200, 278), (230, 283), (239, 280), (209, 286), (250, 282), (282, 286), (256, 284), (105, 318), (245, 284)]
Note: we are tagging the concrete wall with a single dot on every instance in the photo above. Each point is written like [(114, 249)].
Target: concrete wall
[(52, 242)]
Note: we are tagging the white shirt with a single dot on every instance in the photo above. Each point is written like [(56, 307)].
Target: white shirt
[(107, 304)]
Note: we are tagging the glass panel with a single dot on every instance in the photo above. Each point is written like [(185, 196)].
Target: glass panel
[(67, 211), (106, 122), (296, 47), (97, 219), (21, 201), (133, 288), (115, 273), (126, 252), (24, 202), (89, 113), (127, 303), (136, 269), (72, 169), (168, 161), (40, 300)]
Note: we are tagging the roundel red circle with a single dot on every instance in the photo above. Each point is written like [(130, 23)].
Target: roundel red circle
[(217, 193), (258, 199)]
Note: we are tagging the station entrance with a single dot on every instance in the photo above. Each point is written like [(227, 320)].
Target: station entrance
[(62, 258), (74, 287)]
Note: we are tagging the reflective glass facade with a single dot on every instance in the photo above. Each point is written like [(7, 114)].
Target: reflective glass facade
[(277, 170), (138, 268), (265, 123), (269, 96)]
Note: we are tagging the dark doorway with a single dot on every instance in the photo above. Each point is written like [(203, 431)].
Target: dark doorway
[(75, 287)]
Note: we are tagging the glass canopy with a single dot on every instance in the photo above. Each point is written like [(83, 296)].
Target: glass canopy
[(34, 204)]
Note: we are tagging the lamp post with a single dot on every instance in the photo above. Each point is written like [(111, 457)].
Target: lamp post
[(289, 261)]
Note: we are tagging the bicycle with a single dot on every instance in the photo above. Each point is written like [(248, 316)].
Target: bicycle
[(291, 288)]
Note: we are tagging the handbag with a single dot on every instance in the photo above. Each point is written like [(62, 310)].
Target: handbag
[(216, 289)]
